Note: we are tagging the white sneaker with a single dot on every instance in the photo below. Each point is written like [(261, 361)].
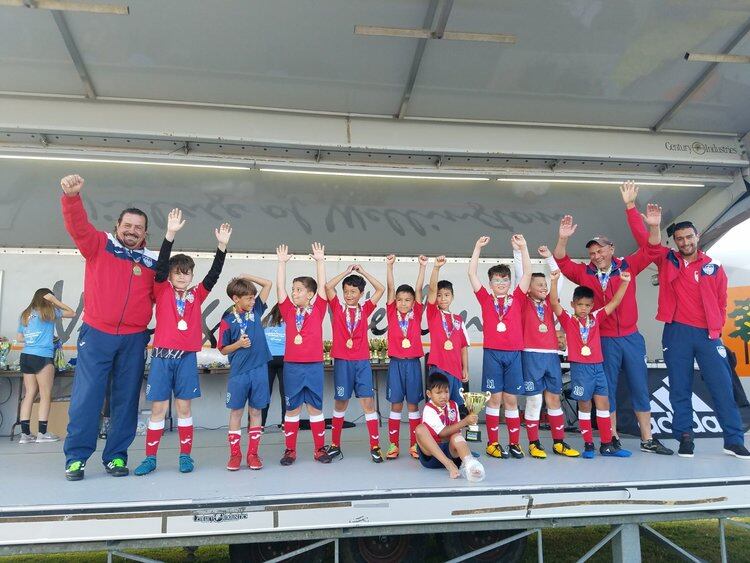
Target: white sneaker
[(27, 439), (48, 437)]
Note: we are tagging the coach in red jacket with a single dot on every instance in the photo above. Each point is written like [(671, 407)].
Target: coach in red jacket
[(118, 303)]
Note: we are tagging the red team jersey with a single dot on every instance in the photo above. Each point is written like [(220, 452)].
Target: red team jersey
[(436, 419), (535, 340), (572, 327), (167, 335), (689, 308), (492, 309), (413, 332), (311, 347), (447, 360), (360, 349)]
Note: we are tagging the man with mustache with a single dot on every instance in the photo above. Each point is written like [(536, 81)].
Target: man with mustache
[(118, 303)]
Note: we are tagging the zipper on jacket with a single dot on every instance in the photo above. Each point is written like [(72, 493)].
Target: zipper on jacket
[(125, 305)]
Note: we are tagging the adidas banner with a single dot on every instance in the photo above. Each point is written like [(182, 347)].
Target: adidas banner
[(705, 422)]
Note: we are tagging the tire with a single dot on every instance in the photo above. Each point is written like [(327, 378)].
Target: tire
[(458, 544), (259, 552), (381, 549)]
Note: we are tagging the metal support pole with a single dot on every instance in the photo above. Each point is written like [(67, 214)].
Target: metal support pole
[(600, 544), (539, 546), (300, 550), (626, 546), (131, 557), (490, 547), (683, 553), (722, 540), (336, 550)]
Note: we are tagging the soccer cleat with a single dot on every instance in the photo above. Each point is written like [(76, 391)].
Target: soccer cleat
[(589, 450), (616, 443), (74, 470), (515, 451), (413, 452), (496, 450), (322, 456), (117, 468), (563, 449), (234, 463), (687, 447), (254, 461), (654, 446), (27, 439), (536, 450), (186, 463), (334, 452), (290, 456), (376, 454), (47, 437), (393, 452), (737, 450), (146, 466), (609, 450)]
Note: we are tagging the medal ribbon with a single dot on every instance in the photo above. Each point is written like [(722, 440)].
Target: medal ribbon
[(403, 324), (540, 310), (352, 325), (448, 333), (299, 317), (506, 305), (249, 317), (585, 329), (180, 303)]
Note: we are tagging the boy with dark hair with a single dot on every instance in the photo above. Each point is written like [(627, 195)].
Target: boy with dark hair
[(502, 374), (303, 313), (585, 355), (439, 439), (351, 354), (241, 337), (449, 343), (404, 312), (178, 336)]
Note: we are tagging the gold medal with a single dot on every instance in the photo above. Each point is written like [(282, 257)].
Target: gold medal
[(585, 351), (182, 325), (448, 345), (406, 343), (136, 269), (298, 339), (350, 343), (542, 328), (501, 327)]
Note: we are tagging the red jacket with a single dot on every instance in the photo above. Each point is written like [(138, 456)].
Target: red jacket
[(116, 300), (712, 286)]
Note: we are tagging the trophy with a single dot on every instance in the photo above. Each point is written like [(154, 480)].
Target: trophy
[(474, 404), (5, 347)]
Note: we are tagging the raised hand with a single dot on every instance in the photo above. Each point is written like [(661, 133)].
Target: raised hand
[(567, 227), (652, 217), (282, 253), (554, 276), (629, 191), (223, 233), (318, 252), (518, 241), (423, 260), (175, 221), (353, 268), (482, 242), (440, 261), (390, 259), (544, 252), (72, 184), (625, 277)]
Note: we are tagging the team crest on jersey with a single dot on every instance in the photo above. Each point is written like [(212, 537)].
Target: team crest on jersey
[(452, 414), (578, 391), (148, 262), (340, 391), (529, 385), (190, 297), (709, 269), (722, 351), (490, 384)]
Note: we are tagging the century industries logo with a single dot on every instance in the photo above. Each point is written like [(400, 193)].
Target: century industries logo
[(698, 147), (704, 419)]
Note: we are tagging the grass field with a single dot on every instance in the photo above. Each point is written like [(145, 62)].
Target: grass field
[(561, 545)]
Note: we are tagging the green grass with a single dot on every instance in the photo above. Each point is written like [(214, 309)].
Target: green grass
[(561, 545)]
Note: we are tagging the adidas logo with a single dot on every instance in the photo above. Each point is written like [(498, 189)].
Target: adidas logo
[(704, 419)]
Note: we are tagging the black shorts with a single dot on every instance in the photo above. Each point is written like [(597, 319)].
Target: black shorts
[(33, 364)]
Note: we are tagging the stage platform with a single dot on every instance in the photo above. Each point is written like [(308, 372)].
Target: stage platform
[(349, 497)]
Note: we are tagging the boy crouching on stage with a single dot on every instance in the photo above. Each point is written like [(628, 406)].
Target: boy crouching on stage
[(241, 337), (178, 336), (439, 439)]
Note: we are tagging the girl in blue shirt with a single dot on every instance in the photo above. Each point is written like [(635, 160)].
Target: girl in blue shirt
[(36, 329), (274, 329)]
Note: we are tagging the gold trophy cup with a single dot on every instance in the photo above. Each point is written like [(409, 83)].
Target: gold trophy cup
[(474, 404)]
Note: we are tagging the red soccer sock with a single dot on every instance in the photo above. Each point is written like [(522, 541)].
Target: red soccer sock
[(253, 433), (492, 419), (372, 429), (394, 427), (291, 428), (604, 423), (532, 429), (513, 421), (234, 437), (584, 425), (337, 425), (185, 429), (556, 423), (415, 419), (318, 429), (153, 436)]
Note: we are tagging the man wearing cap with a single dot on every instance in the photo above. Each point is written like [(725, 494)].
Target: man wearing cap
[(623, 347)]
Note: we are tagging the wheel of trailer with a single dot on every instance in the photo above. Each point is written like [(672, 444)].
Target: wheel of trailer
[(259, 552), (380, 549), (458, 544)]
